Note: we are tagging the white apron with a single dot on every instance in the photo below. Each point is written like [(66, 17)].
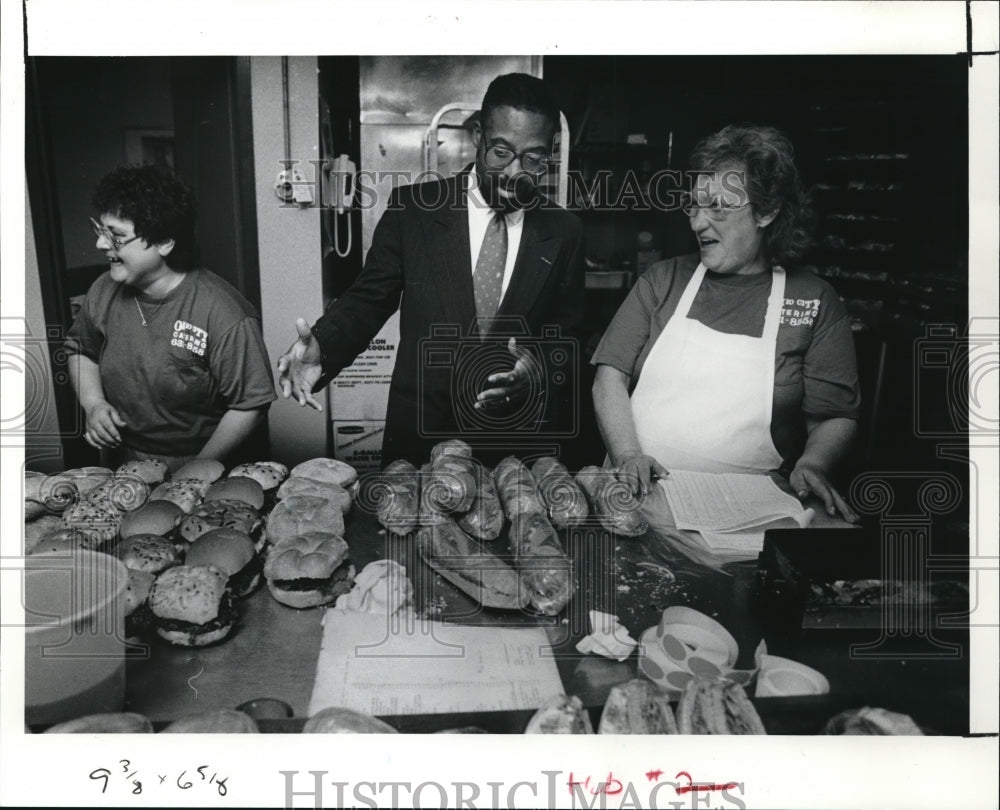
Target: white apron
[(704, 398)]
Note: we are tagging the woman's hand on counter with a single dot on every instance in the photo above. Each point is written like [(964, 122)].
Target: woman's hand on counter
[(103, 422), (807, 478), (636, 470)]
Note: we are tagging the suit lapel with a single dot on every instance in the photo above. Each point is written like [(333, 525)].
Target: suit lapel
[(448, 241), (536, 258)]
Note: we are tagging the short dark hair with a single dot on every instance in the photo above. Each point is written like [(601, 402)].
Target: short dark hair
[(160, 206), (772, 183), (522, 92)]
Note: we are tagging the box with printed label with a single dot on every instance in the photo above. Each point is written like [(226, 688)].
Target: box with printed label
[(359, 443), (361, 390)]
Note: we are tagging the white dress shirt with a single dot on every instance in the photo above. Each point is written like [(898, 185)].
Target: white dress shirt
[(480, 216)]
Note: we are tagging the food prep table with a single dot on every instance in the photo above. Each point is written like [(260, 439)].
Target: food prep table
[(273, 649)]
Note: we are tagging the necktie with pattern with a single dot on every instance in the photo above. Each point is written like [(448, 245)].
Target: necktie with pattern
[(487, 280)]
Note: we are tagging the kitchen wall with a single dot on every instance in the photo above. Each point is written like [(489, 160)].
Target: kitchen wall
[(90, 104)]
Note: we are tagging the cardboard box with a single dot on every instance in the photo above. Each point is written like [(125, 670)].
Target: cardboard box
[(359, 443), (361, 390)]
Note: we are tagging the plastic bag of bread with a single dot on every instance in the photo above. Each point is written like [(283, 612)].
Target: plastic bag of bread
[(337, 720), (716, 706), (484, 519), (517, 488), (299, 514), (565, 501), (637, 707), (107, 723), (428, 513), (872, 721), (397, 497), (561, 715), (450, 447), (469, 567), (546, 571), (613, 502), (220, 721), (451, 486), (47, 494), (299, 485)]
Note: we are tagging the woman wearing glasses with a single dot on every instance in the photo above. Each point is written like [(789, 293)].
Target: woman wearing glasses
[(728, 360), (170, 360)]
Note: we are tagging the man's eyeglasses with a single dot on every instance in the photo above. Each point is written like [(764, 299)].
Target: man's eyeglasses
[(116, 242), (715, 207), (500, 157)]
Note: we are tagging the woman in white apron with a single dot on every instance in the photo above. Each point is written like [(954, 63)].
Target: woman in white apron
[(701, 338)]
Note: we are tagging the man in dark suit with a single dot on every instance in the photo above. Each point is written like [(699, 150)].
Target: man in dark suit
[(488, 276)]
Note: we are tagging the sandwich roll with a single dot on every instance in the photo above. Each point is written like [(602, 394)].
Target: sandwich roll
[(328, 470), (296, 485), (220, 721), (546, 571), (299, 514), (151, 470), (563, 498), (308, 570), (206, 470), (337, 720), (154, 517), (185, 492), (219, 514), (561, 714), (239, 488), (396, 497), (637, 707), (147, 552), (269, 474), (231, 551), (715, 706), (192, 606), (107, 723), (613, 502), (469, 567), (517, 488)]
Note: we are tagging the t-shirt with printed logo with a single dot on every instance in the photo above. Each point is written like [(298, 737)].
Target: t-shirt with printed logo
[(815, 365), (200, 354)]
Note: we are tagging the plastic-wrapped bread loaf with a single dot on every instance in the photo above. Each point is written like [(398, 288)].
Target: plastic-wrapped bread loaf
[(612, 501), (517, 489), (451, 485), (450, 447), (466, 565), (398, 497), (485, 517), (546, 571), (428, 513), (565, 500)]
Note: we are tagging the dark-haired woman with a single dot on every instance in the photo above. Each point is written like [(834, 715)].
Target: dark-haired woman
[(728, 360), (169, 359)]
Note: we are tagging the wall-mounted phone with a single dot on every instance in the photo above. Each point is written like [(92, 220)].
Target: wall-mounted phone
[(339, 181)]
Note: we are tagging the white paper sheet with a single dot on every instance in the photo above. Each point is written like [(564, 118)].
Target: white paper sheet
[(727, 502), (414, 666)]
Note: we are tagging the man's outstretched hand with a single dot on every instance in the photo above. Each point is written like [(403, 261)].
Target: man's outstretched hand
[(300, 367), (515, 386)]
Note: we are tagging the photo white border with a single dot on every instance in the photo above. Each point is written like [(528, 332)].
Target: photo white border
[(778, 771)]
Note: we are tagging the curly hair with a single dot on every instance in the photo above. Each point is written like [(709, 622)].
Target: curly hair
[(522, 92), (772, 183), (159, 205)]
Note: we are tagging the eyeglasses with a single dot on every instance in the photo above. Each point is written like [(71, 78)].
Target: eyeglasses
[(103, 232), (715, 208), (500, 157)]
